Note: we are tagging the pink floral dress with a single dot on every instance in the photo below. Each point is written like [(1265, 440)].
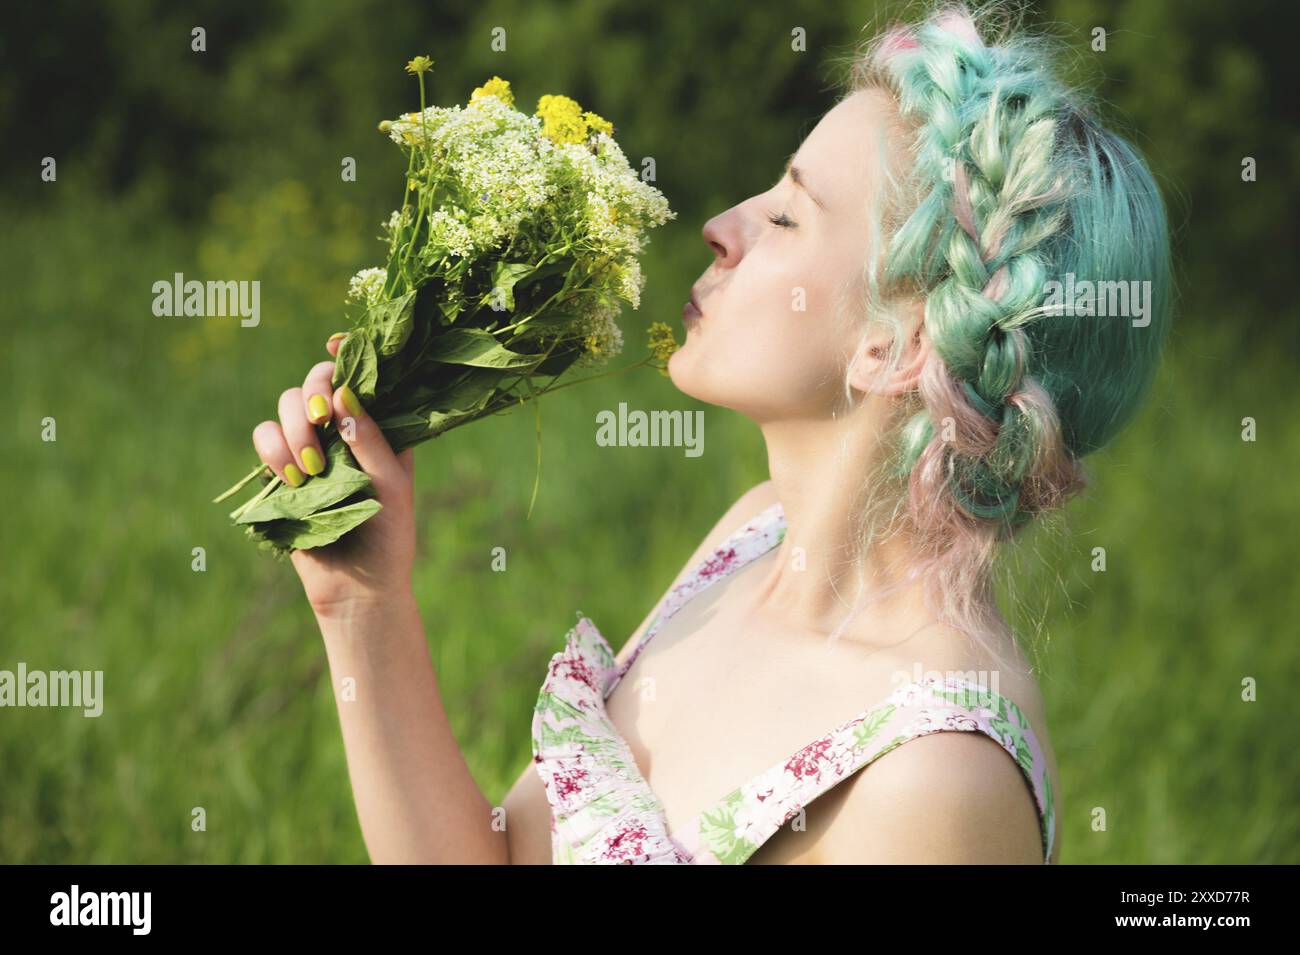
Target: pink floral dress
[(602, 809)]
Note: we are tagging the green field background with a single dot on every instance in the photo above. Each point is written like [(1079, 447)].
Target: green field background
[(225, 165)]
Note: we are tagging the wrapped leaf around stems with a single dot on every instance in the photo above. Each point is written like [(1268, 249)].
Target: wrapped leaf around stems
[(318, 529), (295, 503)]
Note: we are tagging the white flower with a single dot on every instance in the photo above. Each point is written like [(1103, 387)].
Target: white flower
[(367, 286), (450, 232), (397, 219), (602, 337), (631, 282), (492, 186)]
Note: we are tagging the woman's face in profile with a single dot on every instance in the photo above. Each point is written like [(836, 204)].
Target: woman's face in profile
[(766, 343)]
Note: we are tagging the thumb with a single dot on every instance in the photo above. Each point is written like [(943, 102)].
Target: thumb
[(368, 444)]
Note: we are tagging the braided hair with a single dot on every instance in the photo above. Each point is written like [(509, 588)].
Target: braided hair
[(1013, 185)]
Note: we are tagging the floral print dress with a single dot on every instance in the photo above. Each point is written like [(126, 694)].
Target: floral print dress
[(602, 809)]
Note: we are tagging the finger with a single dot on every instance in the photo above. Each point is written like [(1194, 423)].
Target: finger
[(271, 447), (318, 393), (407, 459), (369, 446), (299, 433), (335, 342)]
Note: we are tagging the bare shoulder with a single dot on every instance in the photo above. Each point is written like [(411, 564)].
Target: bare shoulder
[(954, 797), (749, 505)]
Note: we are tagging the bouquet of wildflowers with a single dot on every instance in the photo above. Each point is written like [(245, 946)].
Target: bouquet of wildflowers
[(517, 239)]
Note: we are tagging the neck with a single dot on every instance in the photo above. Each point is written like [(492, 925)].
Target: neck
[(818, 469)]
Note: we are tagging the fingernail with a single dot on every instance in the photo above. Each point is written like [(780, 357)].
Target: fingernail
[(312, 460), (318, 407), (350, 401), (293, 475), (335, 337)]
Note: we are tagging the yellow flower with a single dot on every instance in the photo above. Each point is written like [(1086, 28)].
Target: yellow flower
[(598, 124), (662, 343), (495, 87), (562, 119), (421, 64)]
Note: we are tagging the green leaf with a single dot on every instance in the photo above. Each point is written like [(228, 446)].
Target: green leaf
[(545, 271), (439, 421), (559, 362), (390, 324), (322, 491), (504, 277), (470, 390), (473, 346), (318, 529), (338, 453), (450, 310), (357, 366), (405, 430)]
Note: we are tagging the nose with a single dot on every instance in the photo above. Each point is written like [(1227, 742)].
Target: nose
[(723, 235)]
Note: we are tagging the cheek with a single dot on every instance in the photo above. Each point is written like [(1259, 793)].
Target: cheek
[(791, 334), (799, 288), (763, 355)]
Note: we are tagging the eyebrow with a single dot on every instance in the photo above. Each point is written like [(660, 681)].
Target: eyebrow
[(796, 174)]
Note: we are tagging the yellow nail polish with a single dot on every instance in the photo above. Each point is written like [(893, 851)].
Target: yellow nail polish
[(312, 460), (350, 401), (293, 475), (318, 407), (336, 336)]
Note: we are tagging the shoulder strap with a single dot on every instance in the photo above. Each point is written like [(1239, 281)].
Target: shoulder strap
[(746, 544), (732, 830)]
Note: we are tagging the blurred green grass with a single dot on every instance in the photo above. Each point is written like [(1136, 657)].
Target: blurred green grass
[(225, 166), (217, 695)]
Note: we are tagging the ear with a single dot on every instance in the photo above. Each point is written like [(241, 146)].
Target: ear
[(871, 374)]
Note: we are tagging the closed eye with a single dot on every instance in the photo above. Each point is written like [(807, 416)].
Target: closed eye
[(782, 220)]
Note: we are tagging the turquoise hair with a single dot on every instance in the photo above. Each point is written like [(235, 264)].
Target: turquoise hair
[(1012, 190), (1019, 187)]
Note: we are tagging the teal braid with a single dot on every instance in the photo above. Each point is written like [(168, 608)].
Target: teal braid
[(1018, 188)]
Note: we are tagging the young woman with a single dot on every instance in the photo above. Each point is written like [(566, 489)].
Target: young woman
[(887, 313)]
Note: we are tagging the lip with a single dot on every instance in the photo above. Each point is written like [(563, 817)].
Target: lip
[(691, 310)]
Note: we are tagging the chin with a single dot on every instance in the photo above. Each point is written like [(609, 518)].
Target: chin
[(681, 369), (744, 387), (694, 378)]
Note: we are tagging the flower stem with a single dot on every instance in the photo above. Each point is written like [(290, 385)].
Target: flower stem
[(260, 469), (537, 480), (257, 498), (603, 374)]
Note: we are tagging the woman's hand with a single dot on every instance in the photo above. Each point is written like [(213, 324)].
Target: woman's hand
[(371, 566), (416, 798)]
